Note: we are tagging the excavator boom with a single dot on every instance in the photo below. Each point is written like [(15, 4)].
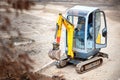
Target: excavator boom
[(70, 30)]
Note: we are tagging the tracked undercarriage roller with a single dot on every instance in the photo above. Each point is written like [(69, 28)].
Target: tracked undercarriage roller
[(89, 65), (82, 66), (61, 63)]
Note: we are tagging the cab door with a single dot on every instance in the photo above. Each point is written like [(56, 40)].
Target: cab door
[(100, 29)]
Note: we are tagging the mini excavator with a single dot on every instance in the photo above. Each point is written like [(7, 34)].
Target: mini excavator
[(85, 35)]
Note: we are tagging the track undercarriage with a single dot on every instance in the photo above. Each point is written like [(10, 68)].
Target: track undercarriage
[(83, 66)]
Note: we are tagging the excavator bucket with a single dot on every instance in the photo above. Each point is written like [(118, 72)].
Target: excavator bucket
[(54, 54)]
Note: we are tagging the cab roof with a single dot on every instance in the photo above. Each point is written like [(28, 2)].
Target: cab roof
[(80, 10)]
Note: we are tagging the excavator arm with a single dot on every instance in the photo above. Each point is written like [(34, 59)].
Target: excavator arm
[(70, 30)]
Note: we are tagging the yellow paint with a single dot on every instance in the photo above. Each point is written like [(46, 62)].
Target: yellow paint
[(70, 30), (98, 40)]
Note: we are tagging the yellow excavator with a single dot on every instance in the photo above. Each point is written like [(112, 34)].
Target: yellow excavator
[(85, 35)]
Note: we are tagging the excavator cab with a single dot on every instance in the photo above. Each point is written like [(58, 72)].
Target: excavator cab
[(89, 29), (85, 35)]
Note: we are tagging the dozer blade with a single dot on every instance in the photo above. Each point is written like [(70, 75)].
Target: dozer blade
[(55, 54), (89, 64)]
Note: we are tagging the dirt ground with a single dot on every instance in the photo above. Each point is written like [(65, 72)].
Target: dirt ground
[(39, 25)]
